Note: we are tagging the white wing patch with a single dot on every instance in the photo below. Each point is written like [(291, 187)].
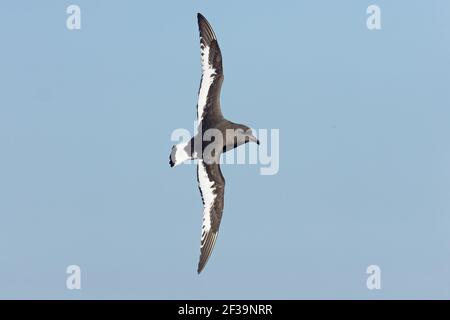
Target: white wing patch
[(208, 75), (207, 188)]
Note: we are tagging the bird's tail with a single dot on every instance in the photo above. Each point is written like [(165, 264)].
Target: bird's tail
[(180, 153)]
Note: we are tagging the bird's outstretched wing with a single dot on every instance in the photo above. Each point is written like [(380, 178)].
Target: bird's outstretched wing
[(212, 188), (208, 106)]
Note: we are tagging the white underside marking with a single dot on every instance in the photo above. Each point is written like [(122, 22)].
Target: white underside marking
[(207, 188), (208, 75), (180, 155)]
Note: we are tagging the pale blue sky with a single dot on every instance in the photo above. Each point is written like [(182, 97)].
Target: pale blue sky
[(364, 119)]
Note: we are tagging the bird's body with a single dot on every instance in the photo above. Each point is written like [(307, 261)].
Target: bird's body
[(215, 136)]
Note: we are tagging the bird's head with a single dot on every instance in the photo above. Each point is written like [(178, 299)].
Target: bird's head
[(247, 134)]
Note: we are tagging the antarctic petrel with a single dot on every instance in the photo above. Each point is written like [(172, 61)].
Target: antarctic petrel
[(209, 115)]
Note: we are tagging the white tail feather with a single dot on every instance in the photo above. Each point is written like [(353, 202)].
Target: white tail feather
[(180, 153)]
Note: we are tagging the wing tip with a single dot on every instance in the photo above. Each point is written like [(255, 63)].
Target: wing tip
[(205, 28), (201, 17), (209, 244)]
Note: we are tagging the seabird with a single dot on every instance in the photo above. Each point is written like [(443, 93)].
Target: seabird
[(211, 182)]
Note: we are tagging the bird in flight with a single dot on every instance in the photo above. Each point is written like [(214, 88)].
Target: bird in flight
[(213, 139)]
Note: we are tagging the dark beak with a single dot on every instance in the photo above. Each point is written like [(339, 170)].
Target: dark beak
[(253, 138)]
